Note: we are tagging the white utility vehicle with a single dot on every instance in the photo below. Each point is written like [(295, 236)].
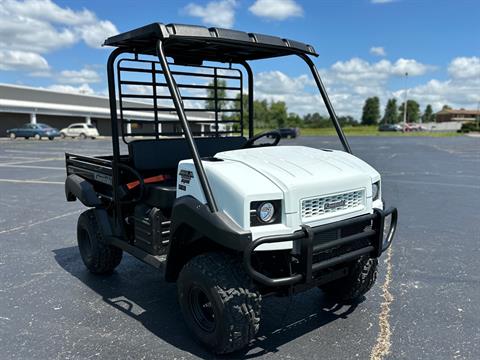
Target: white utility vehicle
[(80, 130), (231, 219)]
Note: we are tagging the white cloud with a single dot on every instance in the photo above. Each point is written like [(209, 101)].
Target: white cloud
[(378, 51), (348, 83), (41, 26), (217, 13), (84, 89), (84, 76), (22, 60), (465, 67), (276, 9)]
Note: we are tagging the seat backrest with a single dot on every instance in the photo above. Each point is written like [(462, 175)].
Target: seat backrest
[(167, 153)]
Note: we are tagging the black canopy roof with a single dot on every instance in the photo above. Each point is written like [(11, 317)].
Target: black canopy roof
[(201, 43)]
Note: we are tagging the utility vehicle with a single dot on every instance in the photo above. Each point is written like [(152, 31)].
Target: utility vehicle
[(229, 216)]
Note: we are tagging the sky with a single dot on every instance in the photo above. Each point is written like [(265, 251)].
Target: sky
[(365, 47)]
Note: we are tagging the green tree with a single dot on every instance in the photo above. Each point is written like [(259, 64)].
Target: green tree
[(371, 111), (278, 114), (391, 115), (428, 114), (413, 111), (446, 107), (221, 93)]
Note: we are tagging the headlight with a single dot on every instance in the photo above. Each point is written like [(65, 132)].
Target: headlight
[(265, 212), (375, 190)]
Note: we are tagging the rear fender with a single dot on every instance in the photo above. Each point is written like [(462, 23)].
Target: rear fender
[(79, 188)]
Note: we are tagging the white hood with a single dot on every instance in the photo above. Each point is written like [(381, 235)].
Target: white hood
[(303, 172)]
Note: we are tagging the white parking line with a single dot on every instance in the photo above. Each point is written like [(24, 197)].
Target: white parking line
[(32, 160), (33, 167), (39, 222), (32, 181)]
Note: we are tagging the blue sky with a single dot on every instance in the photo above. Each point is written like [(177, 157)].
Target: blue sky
[(365, 45)]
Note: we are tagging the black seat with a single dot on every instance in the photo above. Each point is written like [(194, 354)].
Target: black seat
[(160, 195), (155, 157), (165, 154)]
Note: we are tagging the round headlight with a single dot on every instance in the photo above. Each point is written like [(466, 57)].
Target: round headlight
[(375, 190), (265, 212)]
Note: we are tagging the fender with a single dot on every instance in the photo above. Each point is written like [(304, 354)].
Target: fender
[(194, 223), (79, 188)]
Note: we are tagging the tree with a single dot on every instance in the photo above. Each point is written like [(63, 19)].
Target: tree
[(428, 114), (371, 111), (446, 107), (221, 93), (278, 114), (413, 111), (391, 115)]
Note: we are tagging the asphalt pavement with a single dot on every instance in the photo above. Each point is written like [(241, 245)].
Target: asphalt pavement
[(425, 305)]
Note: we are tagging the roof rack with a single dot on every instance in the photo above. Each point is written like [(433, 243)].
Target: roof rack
[(188, 43)]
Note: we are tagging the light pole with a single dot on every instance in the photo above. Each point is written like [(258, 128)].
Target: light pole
[(405, 102)]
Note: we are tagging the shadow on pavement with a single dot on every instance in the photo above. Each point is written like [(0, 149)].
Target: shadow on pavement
[(140, 292)]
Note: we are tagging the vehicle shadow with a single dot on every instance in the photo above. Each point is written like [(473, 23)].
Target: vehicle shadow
[(139, 291)]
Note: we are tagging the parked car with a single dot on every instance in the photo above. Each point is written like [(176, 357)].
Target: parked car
[(288, 132), (36, 131), (409, 127), (80, 130), (390, 127)]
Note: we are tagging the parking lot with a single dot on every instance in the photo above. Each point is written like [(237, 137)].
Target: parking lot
[(425, 304)]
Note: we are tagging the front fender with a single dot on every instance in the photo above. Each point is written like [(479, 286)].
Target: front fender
[(193, 222)]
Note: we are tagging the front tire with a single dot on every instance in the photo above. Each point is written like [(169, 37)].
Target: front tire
[(218, 301), (361, 277), (82, 136), (98, 257), (62, 136), (50, 138)]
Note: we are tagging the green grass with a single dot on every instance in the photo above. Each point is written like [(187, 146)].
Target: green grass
[(366, 131)]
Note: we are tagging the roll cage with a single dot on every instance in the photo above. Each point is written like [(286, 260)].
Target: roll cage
[(190, 46)]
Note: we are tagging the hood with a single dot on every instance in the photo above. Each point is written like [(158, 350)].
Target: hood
[(303, 172)]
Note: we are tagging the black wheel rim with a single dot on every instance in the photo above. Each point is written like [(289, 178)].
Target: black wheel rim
[(85, 245), (202, 309)]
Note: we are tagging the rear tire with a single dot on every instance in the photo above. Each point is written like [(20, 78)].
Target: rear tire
[(98, 257), (50, 138), (13, 136), (62, 136), (360, 279), (218, 301), (82, 136)]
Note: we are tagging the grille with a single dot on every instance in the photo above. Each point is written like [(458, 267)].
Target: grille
[(328, 205)]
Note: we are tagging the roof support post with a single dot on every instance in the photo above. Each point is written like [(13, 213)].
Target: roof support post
[(250, 98), (327, 102), (33, 118), (88, 120), (187, 133), (115, 142)]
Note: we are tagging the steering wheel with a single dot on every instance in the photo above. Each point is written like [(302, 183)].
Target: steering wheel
[(141, 188), (251, 142)]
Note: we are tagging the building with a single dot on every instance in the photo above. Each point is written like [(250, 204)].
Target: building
[(457, 115), (22, 104)]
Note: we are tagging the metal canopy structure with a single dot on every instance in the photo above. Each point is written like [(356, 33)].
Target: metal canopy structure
[(198, 43), (191, 45)]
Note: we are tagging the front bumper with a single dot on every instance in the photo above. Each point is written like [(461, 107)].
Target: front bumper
[(377, 244)]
